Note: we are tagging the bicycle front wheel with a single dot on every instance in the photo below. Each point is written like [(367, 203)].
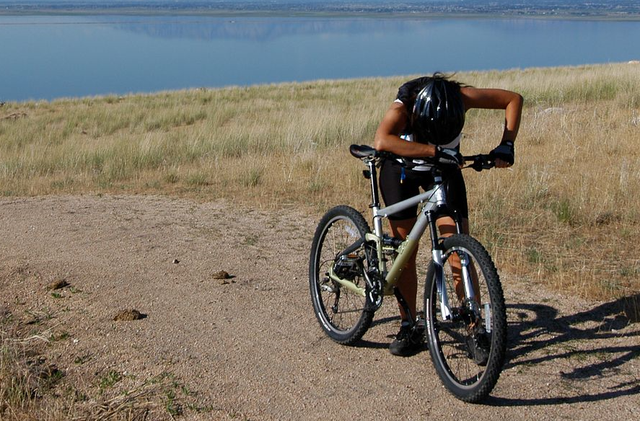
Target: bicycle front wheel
[(467, 336), (343, 314)]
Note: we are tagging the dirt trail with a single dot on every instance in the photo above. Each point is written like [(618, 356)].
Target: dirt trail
[(249, 347)]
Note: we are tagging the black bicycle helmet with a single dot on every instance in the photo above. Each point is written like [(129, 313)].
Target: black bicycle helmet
[(438, 113)]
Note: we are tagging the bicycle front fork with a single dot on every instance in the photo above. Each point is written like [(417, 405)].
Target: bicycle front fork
[(459, 262)]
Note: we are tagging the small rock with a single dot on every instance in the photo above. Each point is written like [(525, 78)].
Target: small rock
[(221, 275), (176, 261), (57, 284), (128, 315)]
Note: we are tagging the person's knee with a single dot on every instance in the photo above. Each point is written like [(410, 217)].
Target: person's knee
[(402, 228), (447, 226)]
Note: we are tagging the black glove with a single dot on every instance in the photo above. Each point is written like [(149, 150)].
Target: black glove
[(448, 156), (504, 152)]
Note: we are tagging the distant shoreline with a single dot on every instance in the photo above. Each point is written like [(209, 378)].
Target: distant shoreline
[(316, 13)]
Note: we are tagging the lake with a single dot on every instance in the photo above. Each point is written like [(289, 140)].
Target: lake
[(48, 57)]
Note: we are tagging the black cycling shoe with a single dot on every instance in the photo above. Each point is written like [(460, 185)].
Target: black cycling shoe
[(409, 341), (479, 346)]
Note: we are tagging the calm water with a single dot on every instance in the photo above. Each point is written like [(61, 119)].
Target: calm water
[(52, 57)]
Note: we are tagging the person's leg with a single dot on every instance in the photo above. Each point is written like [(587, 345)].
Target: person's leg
[(408, 341), (447, 228), (408, 281), (396, 184), (479, 341)]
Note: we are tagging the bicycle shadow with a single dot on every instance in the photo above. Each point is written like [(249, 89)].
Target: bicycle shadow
[(364, 343), (540, 335)]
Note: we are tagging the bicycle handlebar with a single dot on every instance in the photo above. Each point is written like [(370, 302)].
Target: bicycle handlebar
[(479, 162)]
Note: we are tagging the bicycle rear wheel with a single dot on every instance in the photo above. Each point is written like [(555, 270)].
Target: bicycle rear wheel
[(343, 314), (468, 338)]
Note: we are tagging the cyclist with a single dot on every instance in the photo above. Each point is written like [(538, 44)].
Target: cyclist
[(426, 120)]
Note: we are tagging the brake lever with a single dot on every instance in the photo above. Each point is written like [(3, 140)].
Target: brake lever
[(482, 162)]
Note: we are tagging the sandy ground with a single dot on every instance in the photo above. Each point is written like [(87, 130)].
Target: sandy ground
[(249, 347)]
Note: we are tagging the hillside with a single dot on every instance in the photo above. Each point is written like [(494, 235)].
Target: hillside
[(139, 202), (285, 145)]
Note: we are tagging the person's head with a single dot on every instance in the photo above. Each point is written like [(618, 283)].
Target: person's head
[(438, 112)]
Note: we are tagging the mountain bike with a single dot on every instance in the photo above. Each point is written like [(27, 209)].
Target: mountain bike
[(352, 268)]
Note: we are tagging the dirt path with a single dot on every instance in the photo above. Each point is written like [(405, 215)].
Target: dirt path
[(249, 347)]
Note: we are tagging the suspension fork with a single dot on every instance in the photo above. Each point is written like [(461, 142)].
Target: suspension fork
[(465, 264), (436, 257), (465, 274)]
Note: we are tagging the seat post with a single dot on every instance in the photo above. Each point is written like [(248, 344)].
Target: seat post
[(375, 197)]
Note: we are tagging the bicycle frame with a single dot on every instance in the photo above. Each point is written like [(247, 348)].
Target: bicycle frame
[(354, 263), (434, 205)]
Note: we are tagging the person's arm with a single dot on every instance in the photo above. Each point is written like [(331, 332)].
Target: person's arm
[(388, 139), (497, 99), (509, 101)]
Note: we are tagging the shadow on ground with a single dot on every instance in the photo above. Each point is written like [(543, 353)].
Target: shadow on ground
[(538, 334), (541, 335)]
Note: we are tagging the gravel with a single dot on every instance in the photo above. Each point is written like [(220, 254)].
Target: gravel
[(220, 294)]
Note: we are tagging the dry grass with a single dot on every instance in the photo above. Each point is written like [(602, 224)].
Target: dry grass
[(569, 206), (31, 388), (558, 217)]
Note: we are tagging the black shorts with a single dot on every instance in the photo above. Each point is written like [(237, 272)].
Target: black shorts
[(393, 191)]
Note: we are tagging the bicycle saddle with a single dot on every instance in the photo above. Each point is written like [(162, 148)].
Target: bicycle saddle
[(362, 151)]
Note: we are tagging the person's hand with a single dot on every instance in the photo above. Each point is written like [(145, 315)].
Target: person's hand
[(448, 156), (504, 154)]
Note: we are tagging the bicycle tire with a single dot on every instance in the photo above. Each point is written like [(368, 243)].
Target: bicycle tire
[(343, 315), (455, 343)]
